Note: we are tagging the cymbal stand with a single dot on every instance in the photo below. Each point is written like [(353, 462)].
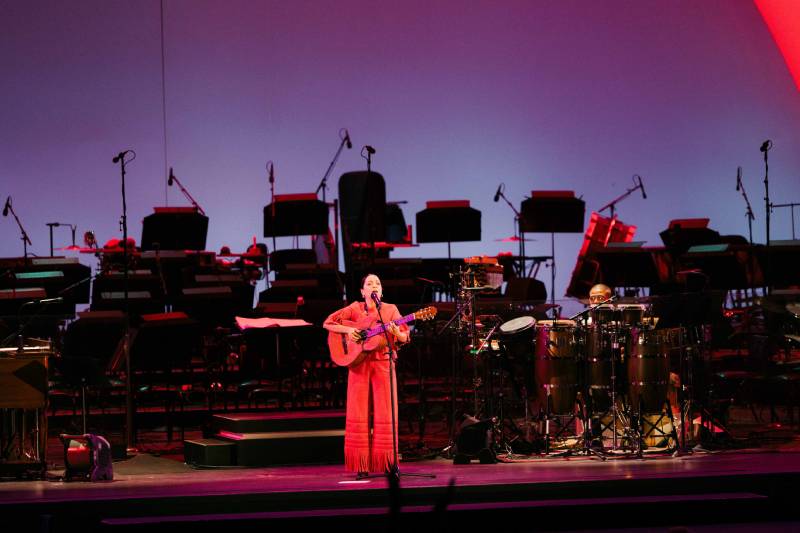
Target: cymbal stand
[(463, 308)]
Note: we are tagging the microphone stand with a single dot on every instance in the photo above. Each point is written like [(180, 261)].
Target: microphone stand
[(767, 146), (394, 470), (272, 199), (750, 217), (126, 344), (593, 307), (516, 232), (188, 196), (324, 183), (612, 205), (24, 235)]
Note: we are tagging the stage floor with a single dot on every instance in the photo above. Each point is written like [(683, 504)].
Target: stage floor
[(739, 486)]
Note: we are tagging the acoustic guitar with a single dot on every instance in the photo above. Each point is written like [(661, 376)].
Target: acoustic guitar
[(347, 352)]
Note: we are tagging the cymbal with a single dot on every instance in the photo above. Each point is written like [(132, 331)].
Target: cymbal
[(514, 238), (114, 250), (248, 255), (70, 248)]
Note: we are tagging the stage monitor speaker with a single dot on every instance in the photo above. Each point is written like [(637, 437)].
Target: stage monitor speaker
[(174, 228), (362, 206)]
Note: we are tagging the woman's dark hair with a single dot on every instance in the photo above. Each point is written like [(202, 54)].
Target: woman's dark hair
[(364, 279)]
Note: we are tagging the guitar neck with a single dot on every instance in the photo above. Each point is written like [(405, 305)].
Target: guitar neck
[(400, 321)]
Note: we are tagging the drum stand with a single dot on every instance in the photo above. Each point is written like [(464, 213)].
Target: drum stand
[(688, 401), (619, 418), (464, 307)]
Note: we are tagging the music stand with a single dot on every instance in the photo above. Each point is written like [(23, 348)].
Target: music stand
[(448, 221), (552, 212), (627, 265), (174, 228), (291, 215)]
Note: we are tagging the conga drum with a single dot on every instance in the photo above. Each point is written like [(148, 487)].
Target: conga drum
[(647, 355), (598, 346), (556, 365)]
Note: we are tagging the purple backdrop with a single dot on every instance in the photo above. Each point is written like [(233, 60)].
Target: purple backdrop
[(457, 97)]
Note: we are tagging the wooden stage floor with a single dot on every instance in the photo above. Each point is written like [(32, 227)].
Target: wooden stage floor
[(543, 493)]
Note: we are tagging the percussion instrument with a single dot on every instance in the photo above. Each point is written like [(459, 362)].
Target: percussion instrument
[(647, 353), (556, 365)]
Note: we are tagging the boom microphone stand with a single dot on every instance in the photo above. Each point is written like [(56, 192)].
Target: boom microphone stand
[(394, 470), (344, 135), (501, 194), (174, 178), (612, 205), (126, 345), (24, 235), (750, 217)]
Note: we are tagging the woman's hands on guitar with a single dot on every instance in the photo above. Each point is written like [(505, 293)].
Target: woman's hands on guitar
[(354, 335), (398, 334)]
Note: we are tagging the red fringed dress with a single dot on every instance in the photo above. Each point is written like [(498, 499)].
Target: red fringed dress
[(369, 449)]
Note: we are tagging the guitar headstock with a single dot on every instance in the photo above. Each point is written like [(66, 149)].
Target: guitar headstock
[(425, 314)]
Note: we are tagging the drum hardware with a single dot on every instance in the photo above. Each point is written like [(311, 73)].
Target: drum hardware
[(556, 373), (463, 319), (687, 399)]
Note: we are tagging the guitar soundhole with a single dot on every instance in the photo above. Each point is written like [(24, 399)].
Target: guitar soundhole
[(344, 344)]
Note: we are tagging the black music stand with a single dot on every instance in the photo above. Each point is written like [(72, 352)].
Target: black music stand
[(448, 222), (552, 212), (627, 265), (726, 267), (291, 215), (174, 228)]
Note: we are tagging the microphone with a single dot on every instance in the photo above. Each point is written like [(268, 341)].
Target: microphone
[(119, 156), (766, 146), (738, 178), (641, 187), (347, 139), (7, 207), (498, 193), (171, 179), (370, 149), (375, 299)]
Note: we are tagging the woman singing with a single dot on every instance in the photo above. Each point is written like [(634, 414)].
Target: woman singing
[(364, 451)]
